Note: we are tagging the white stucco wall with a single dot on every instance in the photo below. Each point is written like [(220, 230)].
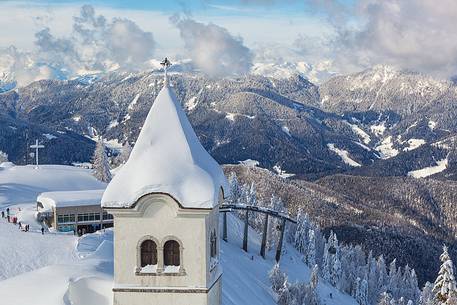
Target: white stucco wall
[(160, 217)]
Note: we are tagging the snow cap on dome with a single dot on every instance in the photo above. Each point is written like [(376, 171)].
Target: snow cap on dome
[(167, 158)]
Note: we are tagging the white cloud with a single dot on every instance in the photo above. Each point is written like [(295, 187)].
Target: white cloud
[(409, 34), (94, 44), (212, 48), (97, 44)]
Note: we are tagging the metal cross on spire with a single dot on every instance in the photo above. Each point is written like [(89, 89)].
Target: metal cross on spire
[(165, 63), (36, 146)]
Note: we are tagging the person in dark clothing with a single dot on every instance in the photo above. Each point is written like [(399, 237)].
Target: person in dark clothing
[(8, 217), (8, 211), (20, 225), (3, 214), (42, 231)]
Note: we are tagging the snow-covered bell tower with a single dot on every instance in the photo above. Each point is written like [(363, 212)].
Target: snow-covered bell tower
[(165, 202)]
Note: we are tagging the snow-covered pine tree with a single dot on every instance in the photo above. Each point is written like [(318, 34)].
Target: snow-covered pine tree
[(100, 160), (276, 204), (314, 280), (382, 274), (311, 251), (385, 299), (235, 189), (372, 270), (284, 295), (445, 285), (361, 295), (277, 278), (125, 153), (3, 157), (336, 272), (326, 263), (301, 233), (394, 281), (410, 289), (426, 297)]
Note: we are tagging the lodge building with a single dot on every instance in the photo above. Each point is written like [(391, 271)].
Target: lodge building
[(73, 211)]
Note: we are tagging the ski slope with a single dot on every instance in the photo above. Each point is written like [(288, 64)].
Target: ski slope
[(61, 269)]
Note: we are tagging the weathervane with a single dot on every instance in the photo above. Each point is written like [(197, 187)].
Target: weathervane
[(165, 63)]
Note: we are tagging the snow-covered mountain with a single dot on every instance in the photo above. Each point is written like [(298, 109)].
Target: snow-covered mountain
[(364, 119)]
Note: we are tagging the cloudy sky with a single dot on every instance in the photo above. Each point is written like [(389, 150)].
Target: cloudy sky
[(221, 37)]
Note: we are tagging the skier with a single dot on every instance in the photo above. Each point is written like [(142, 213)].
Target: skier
[(20, 225), (42, 231), (7, 211), (3, 214)]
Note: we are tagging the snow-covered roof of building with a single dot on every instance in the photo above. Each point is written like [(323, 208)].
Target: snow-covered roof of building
[(70, 198), (167, 158)]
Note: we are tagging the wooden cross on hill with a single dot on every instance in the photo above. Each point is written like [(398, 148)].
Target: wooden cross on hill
[(37, 147)]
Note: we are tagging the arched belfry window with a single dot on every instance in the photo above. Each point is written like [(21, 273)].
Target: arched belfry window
[(148, 253), (171, 253), (213, 244)]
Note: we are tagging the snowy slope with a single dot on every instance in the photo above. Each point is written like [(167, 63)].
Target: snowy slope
[(83, 276), (22, 252), (19, 184)]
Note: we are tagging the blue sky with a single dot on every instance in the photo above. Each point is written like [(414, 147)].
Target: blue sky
[(257, 22)]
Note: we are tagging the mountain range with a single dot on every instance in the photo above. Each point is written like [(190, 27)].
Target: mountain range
[(369, 155)]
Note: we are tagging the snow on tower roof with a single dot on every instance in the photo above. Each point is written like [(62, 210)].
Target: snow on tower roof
[(167, 158)]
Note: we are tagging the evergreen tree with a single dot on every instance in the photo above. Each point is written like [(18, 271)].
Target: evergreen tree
[(277, 278), (394, 281), (382, 274), (445, 285), (336, 272), (284, 295), (361, 294), (385, 299), (125, 153), (301, 233), (235, 189), (3, 157), (373, 278), (426, 297), (101, 165), (314, 280), (311, 251), (276, 204), (326, 262)]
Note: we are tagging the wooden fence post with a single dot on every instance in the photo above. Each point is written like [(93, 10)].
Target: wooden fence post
[(224, 228), (264, 236), (279, 249), (246, 228)]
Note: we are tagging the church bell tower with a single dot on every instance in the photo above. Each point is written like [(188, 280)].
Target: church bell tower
[(165, 202)]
